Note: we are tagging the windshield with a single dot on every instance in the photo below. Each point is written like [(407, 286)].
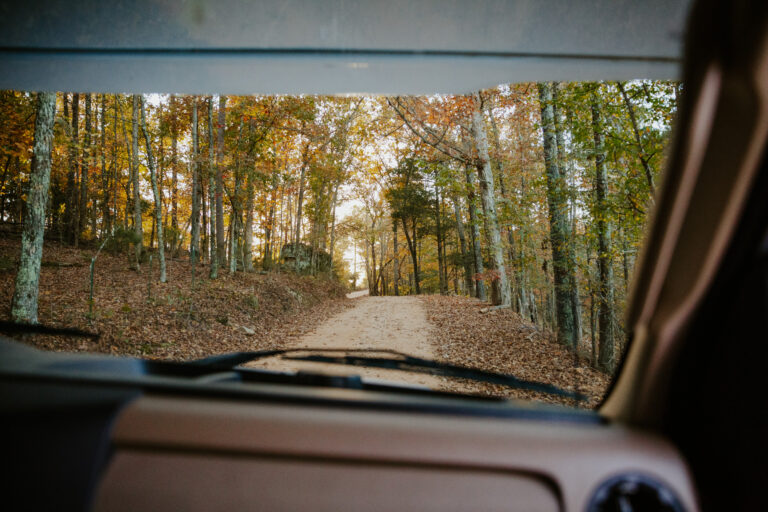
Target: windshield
[(496, 230)]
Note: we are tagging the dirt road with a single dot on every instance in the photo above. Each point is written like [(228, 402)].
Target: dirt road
[(396, 323)]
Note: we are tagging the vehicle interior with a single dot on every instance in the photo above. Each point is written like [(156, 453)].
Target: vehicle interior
[(681, 427)]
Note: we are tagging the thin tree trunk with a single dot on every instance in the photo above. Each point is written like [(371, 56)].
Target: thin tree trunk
[(414, 256), (175, 179), (396, 272), (604, 261), (71, 213), (106, 220), (475, 235), (300, 200), (135, 177), (439, 239), (24, 302), (333, 222), (156, 193), (248, 235), (220, 244), (85, 166), (465, 257), (194, 243), (214, 217)]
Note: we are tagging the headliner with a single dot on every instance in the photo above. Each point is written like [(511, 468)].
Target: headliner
[(337, 46)]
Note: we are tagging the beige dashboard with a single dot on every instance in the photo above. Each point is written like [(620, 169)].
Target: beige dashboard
[(205, 454)]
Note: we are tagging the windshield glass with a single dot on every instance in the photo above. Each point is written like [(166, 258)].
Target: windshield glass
[(497, 230)]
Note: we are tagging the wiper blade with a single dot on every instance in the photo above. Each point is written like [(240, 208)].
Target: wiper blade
[(418, 365), (402, 362), (14, 328)]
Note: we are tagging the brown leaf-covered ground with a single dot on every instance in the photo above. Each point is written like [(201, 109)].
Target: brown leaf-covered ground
[(501, 341), (181, 319)]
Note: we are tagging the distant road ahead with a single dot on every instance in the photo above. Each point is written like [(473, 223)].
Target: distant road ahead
[(395, 323)]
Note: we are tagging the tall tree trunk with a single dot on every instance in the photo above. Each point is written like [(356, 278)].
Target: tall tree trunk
[(300, 200), (138, 229), (565, 173), (248, 235), (414, 256), (475, 235), (105, 213), (85, 166), (214, 217), (396, 270), (439, 239), (194, 243), (498, 170), (235, 217), (24, 302), (500, 284), (269, 225), (558, 220), (72, 218), (220, 245), (175, 177), (465, 256), (605, 359), (333, 222), (156, 193)]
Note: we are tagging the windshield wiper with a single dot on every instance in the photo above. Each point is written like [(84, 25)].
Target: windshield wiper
[(14, 328), (402, 362)]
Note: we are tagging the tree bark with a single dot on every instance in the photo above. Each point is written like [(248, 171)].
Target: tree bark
[(138, 229), (194, 243), (248, 235), (214, 217), (105, 213), (396, 276), (85, 166), (72, 218), (439, 239), (475, 235), (565, 172), (465, 257), (24, 302), (300, 200), (500, 283), (414, 256), (556, 199), (156, 193), (220, 244), (605, 359), (174, 176)]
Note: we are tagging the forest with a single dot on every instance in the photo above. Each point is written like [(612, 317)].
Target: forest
[(530, 197)]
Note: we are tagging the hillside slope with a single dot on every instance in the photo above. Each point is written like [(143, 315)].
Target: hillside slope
[(181, 319)]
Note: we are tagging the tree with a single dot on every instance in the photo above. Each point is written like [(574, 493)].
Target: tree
[(156, 194), (500, 282), (409, 203), (194, 243), (212, 199), (556, 198), (24, 302), (605, 266), (137, 222), (221, 248)]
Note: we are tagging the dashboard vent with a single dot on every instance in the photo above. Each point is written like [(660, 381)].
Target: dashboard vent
[(634, 493)]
